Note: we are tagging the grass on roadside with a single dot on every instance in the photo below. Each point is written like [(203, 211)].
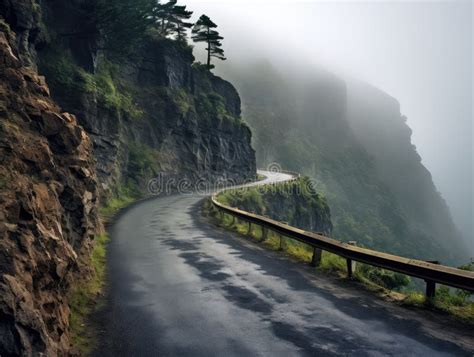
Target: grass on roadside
[(454, 302), (83, 298), (116, 204)]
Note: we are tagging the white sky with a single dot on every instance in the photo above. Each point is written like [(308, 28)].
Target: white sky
[(418, 52)]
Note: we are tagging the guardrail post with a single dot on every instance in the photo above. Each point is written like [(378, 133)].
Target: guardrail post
[(264, 233), (317, 254), (281, 242), (349, 268), (354, 263), (250, 229), (430, 289)]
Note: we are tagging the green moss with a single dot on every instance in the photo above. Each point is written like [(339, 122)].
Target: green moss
[(83, 298), (182, 100), (112, 92), (62, 73), (115, 204), (66, 77), (212, 106)]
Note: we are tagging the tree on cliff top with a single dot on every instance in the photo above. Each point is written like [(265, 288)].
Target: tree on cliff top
[(178, 18), (123, 23), (203, 32), (161, 16), (170, 18)]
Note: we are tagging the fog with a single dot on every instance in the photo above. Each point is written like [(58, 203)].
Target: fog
[(418, 52)]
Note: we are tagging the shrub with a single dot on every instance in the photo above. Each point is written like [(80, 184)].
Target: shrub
[(385, 278)]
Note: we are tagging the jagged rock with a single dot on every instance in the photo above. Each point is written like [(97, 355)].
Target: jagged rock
[(48, 214), (180, 122)]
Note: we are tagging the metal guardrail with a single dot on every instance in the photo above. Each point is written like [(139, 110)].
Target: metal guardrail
[(430, 272)]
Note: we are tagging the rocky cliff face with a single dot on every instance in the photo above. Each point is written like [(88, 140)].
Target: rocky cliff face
[(182, 117), (48, 200)]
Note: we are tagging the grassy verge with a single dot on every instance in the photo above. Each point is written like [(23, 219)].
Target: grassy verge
[(454, 302), (83, 299), (115, 205), (457, 303)]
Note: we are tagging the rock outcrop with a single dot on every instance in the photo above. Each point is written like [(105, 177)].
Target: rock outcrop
[(186, 117), (48, 198), (296, 203)]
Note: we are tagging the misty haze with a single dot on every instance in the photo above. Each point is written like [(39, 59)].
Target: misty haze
[(418, 53), (236, 178)]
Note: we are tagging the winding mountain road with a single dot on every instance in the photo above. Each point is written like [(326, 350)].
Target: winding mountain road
[(179, 286)]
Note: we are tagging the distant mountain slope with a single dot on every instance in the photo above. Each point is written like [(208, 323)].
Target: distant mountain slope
[(378, 125), (358, 151)]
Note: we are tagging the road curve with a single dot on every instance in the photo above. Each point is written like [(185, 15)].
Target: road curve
[(179, 286)]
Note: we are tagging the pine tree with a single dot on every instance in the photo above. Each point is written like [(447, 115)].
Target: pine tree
[(179, 17), (203, 32), (122, 23), (171, 19), (162, 14)]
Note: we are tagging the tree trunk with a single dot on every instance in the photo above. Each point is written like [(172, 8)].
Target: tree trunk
[(208, 50)]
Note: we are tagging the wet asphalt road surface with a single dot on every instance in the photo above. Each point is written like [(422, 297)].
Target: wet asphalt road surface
[(179, 286)]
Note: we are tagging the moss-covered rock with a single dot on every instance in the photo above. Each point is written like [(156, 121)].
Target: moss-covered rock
[(294, 202)]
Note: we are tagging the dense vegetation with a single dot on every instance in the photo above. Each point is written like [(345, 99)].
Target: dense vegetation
[(295, 202)]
